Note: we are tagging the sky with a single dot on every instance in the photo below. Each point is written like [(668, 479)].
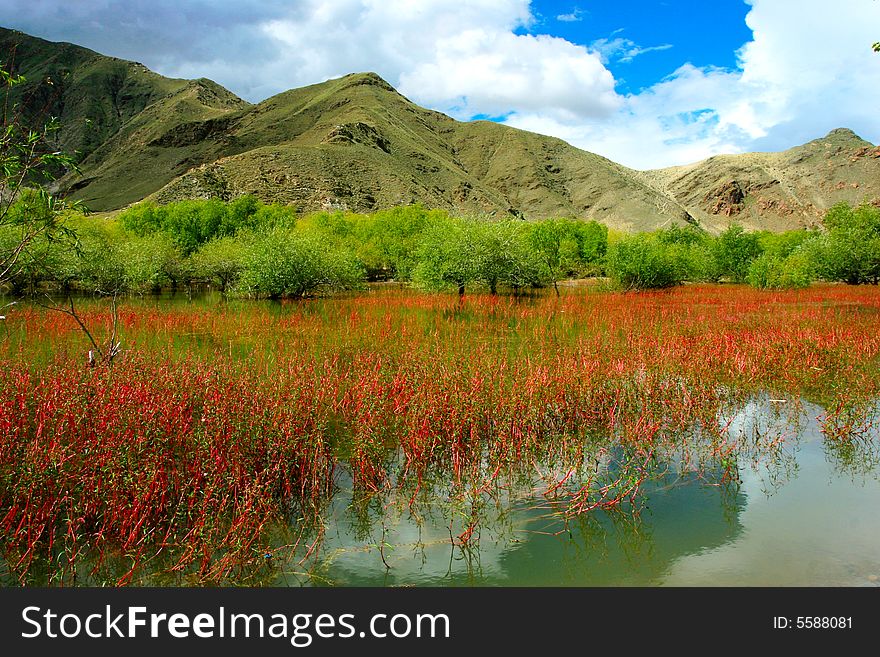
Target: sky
[(646, 83)]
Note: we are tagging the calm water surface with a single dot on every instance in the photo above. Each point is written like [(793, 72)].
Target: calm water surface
[(804, 515)]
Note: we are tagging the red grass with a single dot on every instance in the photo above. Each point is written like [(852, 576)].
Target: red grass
[(220, 422)]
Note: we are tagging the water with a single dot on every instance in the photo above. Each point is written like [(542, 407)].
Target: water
[(800, 516), (802, 511)]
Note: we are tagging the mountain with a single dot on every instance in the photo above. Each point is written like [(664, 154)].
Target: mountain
[(356, 143), (776, 191)]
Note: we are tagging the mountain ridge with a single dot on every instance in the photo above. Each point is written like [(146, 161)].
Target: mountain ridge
[(356, 143)]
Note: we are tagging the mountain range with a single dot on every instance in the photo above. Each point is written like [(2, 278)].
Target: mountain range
[(355, 143)]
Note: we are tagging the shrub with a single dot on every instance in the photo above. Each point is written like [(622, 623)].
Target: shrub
[(770, 271), (642, 262), (448, 256), (153, 262), (455, 253), (220, 262), (195, 222), (569, 248), (850, 251), (389, 240), (286, 263), (734, 251)]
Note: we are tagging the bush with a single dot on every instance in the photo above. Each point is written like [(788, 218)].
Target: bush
[(99, 265), (569, 248), (153, 262), (505, 258), (110, 262), (193, 223), (642, 262), (734, 251), (770, 271), (850, 251), (286, 263), (448, 256), (220, 262), (389, 240), (455, 253), (691, 249)]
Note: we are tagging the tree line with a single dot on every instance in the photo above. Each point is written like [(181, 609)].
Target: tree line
[(249, 248)]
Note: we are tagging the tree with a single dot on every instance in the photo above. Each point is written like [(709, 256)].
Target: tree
[(220, 261), (641, 262), (504, 256), (448, 256), (734, 251), (455, 253), (286, 263), (772, 271), (27, 161), (850, 251), (567, 247), (690, 248), (389, 239)]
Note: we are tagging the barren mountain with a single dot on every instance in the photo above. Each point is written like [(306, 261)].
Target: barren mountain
[(776, 191)]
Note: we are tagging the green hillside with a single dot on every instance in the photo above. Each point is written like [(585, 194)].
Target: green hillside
[(355, 143)]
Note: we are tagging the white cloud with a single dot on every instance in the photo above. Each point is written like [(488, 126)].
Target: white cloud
[(623, 50), (494, 73), (464, 59), (327, 39), (809, 69), (574, 16)]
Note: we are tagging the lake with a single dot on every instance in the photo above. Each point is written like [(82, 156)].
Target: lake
[(705, 435)]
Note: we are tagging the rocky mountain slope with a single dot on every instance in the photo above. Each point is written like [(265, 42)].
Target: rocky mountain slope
[(777, 191), (355, 143)]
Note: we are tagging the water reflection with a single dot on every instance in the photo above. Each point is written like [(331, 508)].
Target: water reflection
[(800, 514), (818, 529)]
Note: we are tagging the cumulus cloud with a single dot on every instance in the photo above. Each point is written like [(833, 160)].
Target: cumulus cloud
[(808, 68), (464, 58), (493, 73)]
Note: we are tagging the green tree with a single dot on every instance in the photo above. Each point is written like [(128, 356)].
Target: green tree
[(286, 263), (240, 213), (504, 256), (192, 223), (850, 250), (691, 249), (455, 253), (448, 256), (641, 262), (389, 239), (28, 212), (100, 267), (220, 261), (773, 271), (160, 262), (567, 247), (734, 251)]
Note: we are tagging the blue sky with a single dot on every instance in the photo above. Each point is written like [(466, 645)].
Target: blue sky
[(645, 83), (648, 39)]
